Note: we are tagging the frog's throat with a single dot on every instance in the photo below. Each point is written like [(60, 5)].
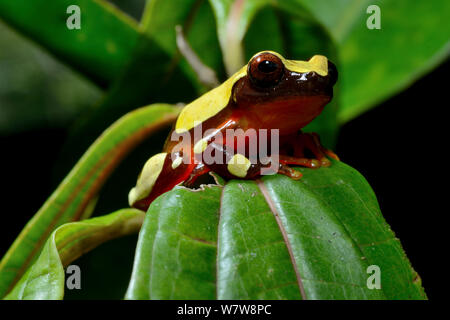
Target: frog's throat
[(214, 101)]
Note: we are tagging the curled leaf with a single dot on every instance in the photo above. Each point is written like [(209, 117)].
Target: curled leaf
[(44, 280)]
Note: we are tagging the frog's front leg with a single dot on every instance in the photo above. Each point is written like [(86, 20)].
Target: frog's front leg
[(294, 152), (312, 142), (303, 143)]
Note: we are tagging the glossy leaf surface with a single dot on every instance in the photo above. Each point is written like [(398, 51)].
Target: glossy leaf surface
[(275, 238)]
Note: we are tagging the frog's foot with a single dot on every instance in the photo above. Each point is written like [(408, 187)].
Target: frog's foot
[(288, 171), (304, 162), (311, 142)]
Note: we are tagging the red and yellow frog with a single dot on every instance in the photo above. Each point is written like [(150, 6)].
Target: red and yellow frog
[(269, 94)]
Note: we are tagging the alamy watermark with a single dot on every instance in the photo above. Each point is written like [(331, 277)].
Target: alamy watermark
[(374, 280), (374, 20), (73, 22), (219, 146), (73, 280)]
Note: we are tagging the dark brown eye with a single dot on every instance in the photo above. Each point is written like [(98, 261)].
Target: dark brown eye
[(265, 70), (267, 66)]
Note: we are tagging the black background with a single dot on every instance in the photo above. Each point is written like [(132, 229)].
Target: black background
[(396, 146)]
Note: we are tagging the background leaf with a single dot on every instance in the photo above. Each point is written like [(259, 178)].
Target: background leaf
[(45, 278), (99, 49), (375, 64), (154, 72), (271, 239), (37, 91), (159, 20)]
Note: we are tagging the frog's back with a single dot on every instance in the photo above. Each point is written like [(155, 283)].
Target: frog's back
[(208, 105)]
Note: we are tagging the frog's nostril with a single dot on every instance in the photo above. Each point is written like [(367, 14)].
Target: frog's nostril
[(332, 72)]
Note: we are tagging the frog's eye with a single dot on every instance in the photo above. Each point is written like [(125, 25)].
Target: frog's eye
[(265, 70)]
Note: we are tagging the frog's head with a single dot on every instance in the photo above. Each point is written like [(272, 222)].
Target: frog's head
[(285, 93)]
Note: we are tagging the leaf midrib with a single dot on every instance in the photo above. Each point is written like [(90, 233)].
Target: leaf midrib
[(274, 210)]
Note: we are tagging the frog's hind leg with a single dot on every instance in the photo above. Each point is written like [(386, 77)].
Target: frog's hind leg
[(198, 171), (159, 175)]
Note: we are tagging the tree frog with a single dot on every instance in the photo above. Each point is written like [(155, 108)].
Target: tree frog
[(269, 94)]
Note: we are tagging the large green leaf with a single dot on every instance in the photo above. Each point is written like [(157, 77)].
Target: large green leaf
[(189, 235), (75, 196), (99, 49), (275, 238), (45, 278)]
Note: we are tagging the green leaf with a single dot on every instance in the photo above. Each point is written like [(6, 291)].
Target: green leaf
[(334, 225), (233, 19), (376, 64), (252, 260), (274, 238), (196, 17), (176, 251), (36, 91), (45, 278), (155, 71), (73, 198), (99, 49)]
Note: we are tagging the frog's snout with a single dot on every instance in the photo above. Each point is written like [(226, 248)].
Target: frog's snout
[(332, 73)]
